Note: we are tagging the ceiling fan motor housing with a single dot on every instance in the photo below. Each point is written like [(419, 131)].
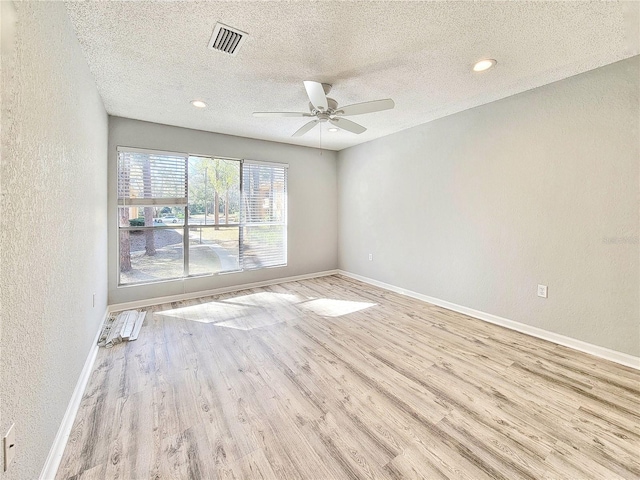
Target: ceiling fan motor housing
[(332, 106)]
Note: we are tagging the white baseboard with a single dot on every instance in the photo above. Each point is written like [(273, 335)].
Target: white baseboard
[(60, 442), (595, 350), (116, 307)]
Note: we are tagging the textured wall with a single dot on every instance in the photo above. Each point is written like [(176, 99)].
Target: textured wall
[(479, 207), (312, 202), (54, 253)]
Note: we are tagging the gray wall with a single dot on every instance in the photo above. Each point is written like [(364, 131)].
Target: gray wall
[(479, 207), (54, 236), (312, 202)]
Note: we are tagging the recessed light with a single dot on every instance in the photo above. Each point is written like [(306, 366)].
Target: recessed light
[(333, 129), (198, 103), (483, 65)]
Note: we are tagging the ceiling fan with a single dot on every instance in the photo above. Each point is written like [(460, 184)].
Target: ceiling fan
[(326, 109)]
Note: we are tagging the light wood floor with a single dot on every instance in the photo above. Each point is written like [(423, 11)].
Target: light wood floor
[(334, 379)]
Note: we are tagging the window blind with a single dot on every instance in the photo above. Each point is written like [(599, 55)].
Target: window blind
[(264, 215), (151, 178)]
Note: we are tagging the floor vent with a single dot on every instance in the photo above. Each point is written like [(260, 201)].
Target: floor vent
[(226, 39)]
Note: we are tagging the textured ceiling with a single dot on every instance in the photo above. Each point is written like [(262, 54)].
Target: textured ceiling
[(150, 59)]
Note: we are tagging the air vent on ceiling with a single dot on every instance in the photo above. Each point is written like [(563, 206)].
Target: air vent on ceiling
[(226, 39)]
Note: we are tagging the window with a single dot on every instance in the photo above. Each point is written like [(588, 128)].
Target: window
[(152, 186), (181, 215), (214, 215), (264, 235)]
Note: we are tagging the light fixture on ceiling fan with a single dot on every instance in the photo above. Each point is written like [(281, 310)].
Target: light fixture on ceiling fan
[(326, 109)]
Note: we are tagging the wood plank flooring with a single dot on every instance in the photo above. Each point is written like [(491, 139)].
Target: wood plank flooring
[(331, 378)]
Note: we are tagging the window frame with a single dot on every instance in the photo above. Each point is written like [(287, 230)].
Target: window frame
[(186, 226)]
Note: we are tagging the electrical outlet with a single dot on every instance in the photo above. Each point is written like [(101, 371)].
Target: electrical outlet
[(542, 291), (370, 256), (9, 446)]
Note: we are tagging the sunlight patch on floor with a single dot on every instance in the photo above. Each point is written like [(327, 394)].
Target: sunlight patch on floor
[(210, 312), (328, 307), (256, 310), (262, 299), (224, 314)]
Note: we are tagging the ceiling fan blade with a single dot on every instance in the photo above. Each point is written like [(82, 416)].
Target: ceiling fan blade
[(366, 107), (305, 128), (316, 94), (281, 114), (348, 125)]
